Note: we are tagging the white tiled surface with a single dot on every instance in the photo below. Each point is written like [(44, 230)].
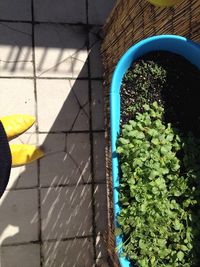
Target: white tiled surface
[(99, 10), (60, 11), (20, 256), (24, 177), (95, 56), (73, 253), (15, 9), (52, 143), (71, 165), (60, 51), (66, 212), (97, 106), (99, 157), (15, 49), (17, 97), (101, 248), (101, 211), (102, 263), (19, 216), (48, 214), (62, 105)]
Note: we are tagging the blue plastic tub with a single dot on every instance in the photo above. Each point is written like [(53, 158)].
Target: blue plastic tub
[(171, 43)]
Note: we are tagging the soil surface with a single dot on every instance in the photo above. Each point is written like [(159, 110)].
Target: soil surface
[(176, 87)]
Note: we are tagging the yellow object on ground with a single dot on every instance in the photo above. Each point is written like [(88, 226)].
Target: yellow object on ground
[(15, 125), (24, 154), (164, 3)]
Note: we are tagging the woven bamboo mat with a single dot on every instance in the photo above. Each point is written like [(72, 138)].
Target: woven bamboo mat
[(130, 22)]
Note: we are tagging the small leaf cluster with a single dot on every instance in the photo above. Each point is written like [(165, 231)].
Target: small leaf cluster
[(158, 192), (141, 84), (145, 70)]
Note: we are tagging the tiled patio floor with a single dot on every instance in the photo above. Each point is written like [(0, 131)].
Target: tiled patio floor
[(53, 213)]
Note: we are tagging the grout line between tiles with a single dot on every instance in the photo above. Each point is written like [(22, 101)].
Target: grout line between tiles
[(52, 78), (47, 240), (50, 22), (65, 132), (37, 134), (69, 238), (72, 132), (70, 78), (91, 140), (57, 186)]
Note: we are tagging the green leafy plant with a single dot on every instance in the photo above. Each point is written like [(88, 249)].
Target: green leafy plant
[(159, 192)]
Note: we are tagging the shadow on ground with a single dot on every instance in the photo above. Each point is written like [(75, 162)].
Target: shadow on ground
[(58, 206)]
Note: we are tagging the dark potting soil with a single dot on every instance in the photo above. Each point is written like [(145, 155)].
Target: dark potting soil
[(170, 80)]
